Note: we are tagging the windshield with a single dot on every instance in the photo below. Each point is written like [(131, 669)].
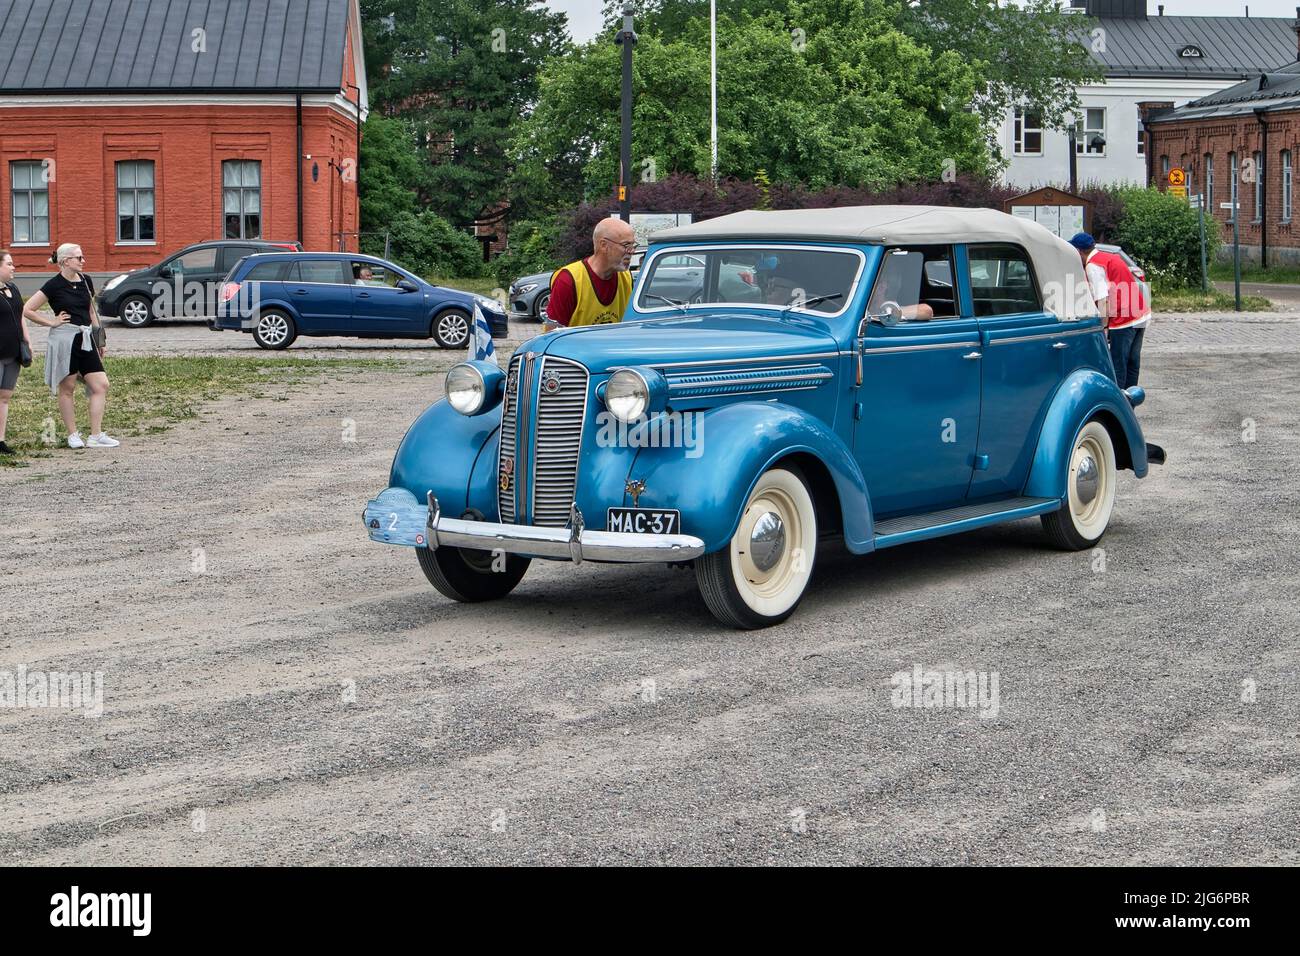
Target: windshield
[(780, 277)]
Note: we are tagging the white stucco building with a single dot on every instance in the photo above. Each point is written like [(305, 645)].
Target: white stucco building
[(1150, 62)]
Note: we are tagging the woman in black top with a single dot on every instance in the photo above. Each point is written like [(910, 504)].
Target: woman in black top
[(71, 351), (13, 332)]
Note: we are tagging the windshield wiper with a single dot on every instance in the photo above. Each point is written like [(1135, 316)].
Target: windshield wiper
[(664, 298), (813, 301)]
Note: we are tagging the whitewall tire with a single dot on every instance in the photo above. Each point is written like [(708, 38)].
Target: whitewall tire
[(1090, 491), (758, 579)]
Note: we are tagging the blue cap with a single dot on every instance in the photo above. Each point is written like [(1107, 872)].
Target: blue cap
[(1081, 240)]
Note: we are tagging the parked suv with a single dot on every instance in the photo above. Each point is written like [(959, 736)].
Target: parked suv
[(184, 285), (277, 298)]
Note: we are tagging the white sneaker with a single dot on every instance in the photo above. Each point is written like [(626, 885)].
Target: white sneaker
[(74, 440), (102, 441)]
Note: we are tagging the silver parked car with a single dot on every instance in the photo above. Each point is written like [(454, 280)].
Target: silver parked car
[(530, 294)]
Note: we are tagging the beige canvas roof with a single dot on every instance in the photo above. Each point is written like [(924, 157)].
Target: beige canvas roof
[(1056, 262)]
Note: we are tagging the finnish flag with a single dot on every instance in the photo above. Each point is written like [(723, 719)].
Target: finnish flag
[(481, 348)]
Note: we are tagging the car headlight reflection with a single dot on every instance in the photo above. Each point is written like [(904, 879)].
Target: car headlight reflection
[(627, 395)]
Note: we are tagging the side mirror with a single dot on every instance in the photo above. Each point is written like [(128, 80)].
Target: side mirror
[(406, 285), (890, 317)]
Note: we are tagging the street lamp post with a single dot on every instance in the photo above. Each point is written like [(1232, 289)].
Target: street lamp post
[(627, 39), (713, 84)]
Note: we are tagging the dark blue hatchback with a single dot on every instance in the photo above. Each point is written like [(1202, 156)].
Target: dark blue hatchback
[(280, 296)]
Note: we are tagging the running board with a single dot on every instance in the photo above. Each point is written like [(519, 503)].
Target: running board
[(936, 524)]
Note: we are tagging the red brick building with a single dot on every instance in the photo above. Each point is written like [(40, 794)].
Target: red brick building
[(134, 128), (1240, 145)]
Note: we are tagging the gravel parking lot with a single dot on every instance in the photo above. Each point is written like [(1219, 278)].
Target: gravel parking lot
[(278, 690)]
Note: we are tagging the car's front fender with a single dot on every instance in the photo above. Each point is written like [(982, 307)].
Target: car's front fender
[(736, 444), (1084, 395), (438, 454)]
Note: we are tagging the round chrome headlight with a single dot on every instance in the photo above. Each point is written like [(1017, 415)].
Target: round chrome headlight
[(627, 394), (465, 389)]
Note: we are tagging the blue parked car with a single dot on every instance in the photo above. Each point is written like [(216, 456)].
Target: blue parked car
[(279, 296), (880, 374)]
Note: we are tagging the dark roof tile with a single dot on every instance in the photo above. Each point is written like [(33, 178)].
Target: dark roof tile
[(64, 46)]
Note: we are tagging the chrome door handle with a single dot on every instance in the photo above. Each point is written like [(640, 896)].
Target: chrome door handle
[(971, 355), (1060, 345)]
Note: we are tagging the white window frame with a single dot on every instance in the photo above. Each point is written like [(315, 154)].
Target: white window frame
[(151, 189), (37, 168), (1286, 185), (1234, 198), (242, 190), (1259, 183), (1083, 131), (1020, 129), (1209, 183)]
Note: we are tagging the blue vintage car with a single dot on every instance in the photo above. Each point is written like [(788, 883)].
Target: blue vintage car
[(881, 374)]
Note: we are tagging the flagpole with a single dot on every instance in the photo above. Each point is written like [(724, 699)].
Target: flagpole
[(713, 82)]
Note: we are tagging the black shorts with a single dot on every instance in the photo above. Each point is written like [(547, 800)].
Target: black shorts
[(83, 362)]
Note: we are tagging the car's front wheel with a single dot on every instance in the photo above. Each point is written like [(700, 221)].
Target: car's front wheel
[(1090, 491), (136, 311), (274, 330), (471, 576), (759, 578), (451, 328), (543, 301)]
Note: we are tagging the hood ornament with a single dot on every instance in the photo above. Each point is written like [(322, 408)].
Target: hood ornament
[(636, 488)]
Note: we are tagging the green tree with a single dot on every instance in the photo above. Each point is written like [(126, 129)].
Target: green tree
[(461, 73), (1163, 233), (848, 101), (392, 172)]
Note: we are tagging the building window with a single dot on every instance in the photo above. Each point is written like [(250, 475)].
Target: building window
[(1286, 185), (1142, 134), (1090, 132), (1209, 183), (1259, 185), (30, 202), (135, 201), (1164, 167), (1028, 132), (1232, 186), (241, 190)]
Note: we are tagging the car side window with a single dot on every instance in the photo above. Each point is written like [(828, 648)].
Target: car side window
[(918, 281), (200, 260), (232, 254), (268, 271), (1002, 281), (367, 273), (323, 270)]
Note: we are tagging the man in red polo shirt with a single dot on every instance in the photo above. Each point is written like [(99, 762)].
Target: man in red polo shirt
[(595, 290), (1123, 306)]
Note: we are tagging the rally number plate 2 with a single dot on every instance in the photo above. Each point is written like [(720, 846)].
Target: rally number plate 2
[(644, 521)]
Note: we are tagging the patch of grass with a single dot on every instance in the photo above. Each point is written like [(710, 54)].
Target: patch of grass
[(1222, 272), (152, 394), (1194, 300), (481, 286)]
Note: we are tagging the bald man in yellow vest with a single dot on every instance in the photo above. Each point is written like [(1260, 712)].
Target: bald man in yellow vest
[(595, 290)]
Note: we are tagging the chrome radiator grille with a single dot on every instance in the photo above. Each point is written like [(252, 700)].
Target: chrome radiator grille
[(509, 413), (546, 397)]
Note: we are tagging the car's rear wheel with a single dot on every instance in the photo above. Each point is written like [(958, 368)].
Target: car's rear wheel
[(1090, 491), (451, 328), (758, 579), (136, 311), (471, 576), (543, 301), (274, 330)]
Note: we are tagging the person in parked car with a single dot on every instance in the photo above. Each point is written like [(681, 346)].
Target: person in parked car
[(595, 290), (75, 348), (1120, 302), (13, 335)]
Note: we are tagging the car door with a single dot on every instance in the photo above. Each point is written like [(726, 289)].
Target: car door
[(321, 293), (192, 278), (917, 410), (380, 308), (1022, 345)]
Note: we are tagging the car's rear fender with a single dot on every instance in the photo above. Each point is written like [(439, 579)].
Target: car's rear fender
[(736, 444), (1084, 395)]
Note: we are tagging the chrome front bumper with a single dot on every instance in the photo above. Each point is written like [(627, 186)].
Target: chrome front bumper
[(397, 517)]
